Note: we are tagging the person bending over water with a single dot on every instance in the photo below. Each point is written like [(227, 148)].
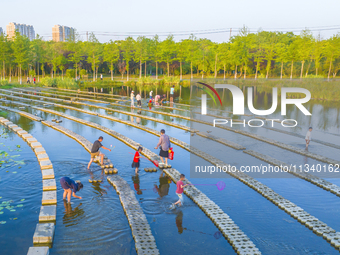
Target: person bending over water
[(95, 151), (70, 185)]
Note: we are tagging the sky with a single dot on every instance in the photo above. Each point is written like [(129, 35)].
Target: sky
[(112, 19)]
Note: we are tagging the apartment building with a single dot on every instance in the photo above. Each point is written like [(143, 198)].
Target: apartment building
[(62, 33), (23, 29)]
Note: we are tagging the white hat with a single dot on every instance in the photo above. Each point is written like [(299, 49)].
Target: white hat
[(132, 91)]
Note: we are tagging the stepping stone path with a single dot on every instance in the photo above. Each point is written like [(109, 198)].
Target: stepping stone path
[(144, 240), (44, 232)]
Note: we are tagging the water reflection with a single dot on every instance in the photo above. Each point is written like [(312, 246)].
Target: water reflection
[(71, 214), (179, 222), (98, 189), (136, 183), (164, 185)]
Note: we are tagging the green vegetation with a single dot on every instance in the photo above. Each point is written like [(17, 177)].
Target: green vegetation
[(246, 55)]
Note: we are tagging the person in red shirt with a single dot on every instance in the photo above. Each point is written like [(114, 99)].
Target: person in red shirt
[(179, 192), (136, 159)]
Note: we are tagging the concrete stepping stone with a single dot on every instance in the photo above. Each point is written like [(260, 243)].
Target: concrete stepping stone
[(45, 164), (42, 156), (26, 136), (35, 145), (31, 140), (39, 150), (22, 132), (48, 213), (5, 121), (38, 251), (49, 184), (44, 233), (47, 174), (49, 197), (17, 129)]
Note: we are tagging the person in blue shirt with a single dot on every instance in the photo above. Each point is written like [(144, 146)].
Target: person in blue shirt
[(70, 185), (172, 92)]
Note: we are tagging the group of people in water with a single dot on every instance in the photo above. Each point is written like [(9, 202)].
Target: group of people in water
[(157, 100), (71, 187)]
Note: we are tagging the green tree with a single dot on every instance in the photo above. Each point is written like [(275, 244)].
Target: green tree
[(111, 54), (5, 51), (181, 54), (76, 54), (244, 43), (258, 48), (21, 46), (94, 53), (270, 52), (331, 51), (141, 52), (191, 51), (317, 52), (38, 53), (156, 52), (168, 51), (292, 54), (304, 46), (225, 58), (281, 49), (127, 47)]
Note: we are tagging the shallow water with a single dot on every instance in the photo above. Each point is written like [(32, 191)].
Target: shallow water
[(97, 223)]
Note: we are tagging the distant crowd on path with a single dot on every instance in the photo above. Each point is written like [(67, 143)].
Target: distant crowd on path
[(157, 100), (28, 81)]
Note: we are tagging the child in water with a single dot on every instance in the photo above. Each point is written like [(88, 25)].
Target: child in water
[(308, 137), (179, 192), (136, 159)]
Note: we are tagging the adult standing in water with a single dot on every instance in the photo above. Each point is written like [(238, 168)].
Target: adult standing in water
[(70, 185), (139, 100), (172, 92), (164, 145), (132, 96), (95, 151), (151, 94)]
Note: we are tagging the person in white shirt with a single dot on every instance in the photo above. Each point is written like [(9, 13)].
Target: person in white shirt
[(172, 92), (139, 100), (308, 137), (132, 99), (151, 94)]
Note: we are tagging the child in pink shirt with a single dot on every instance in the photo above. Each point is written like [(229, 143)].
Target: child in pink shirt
[(179, 192)]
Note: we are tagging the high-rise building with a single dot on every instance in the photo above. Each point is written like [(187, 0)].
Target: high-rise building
[(23, 29), (62, 33), (1, 31)]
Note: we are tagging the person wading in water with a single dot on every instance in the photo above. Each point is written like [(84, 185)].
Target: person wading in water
[(95, 151), (164, 145)]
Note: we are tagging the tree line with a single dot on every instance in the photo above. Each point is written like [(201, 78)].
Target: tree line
[(260, 55)]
